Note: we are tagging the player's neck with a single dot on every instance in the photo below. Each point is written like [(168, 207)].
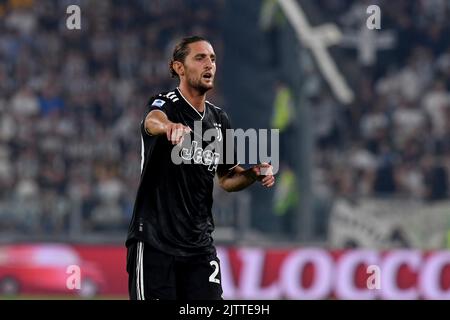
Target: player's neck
[(195, 98)]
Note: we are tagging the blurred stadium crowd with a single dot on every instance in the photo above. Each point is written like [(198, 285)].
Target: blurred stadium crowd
[(71, 102), (394, 140)]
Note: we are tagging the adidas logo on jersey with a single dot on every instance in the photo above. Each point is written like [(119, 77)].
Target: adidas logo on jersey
[(172, 96)]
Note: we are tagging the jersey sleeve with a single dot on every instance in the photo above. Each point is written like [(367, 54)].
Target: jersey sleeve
[(229, 161), (155, 103)]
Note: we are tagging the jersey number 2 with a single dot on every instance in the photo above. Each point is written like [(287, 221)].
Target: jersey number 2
[(212, 277)]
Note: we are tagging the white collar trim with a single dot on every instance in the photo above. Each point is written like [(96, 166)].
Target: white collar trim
[(200, 115)]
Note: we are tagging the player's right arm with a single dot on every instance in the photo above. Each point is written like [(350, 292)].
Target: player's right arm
[(157, 123)]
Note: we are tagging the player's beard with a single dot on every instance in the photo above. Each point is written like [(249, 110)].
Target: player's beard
[(197, 84)]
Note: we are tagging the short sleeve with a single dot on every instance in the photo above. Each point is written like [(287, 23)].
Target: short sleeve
[(154, 104)]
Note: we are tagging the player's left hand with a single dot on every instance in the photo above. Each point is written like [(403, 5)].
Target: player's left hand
[(263, 173)]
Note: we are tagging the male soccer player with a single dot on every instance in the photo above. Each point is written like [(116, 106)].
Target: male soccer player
[(171, 254)]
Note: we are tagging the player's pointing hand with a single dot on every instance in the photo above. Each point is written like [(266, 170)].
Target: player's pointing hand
[(175, 132)]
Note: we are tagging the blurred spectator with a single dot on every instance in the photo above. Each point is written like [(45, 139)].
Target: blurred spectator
[(402, 148), (71, 103), (435, 178)]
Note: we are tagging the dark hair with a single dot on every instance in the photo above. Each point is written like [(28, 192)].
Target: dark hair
[(181, 51)]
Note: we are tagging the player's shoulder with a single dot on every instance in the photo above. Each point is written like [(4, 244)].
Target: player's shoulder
[(163, 98), (220, 114), (169, 95), (215, 109), (212, 105)]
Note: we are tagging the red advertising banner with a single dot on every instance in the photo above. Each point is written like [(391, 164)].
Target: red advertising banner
[(247, 272), (313, 273)]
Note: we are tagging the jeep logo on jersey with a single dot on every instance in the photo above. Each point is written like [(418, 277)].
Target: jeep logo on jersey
[(189, 150), (223, 149), (201, 156)]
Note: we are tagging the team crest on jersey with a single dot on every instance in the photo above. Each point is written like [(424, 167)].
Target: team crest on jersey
[(218, 127), (158, 103)]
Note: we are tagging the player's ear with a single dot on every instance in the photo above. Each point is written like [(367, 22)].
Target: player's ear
[(178, 67)]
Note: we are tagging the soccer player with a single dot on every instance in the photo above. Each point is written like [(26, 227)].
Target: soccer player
[(171, 254)]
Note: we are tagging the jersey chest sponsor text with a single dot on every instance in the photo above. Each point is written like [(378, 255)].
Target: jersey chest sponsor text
[(201, 156)]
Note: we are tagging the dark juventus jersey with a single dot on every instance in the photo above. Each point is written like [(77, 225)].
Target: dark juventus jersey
[(172, 210)]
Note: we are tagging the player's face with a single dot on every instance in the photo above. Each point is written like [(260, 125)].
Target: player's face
[(200, 66)]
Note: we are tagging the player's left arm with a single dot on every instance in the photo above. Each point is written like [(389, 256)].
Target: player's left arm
[(239, 178)]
